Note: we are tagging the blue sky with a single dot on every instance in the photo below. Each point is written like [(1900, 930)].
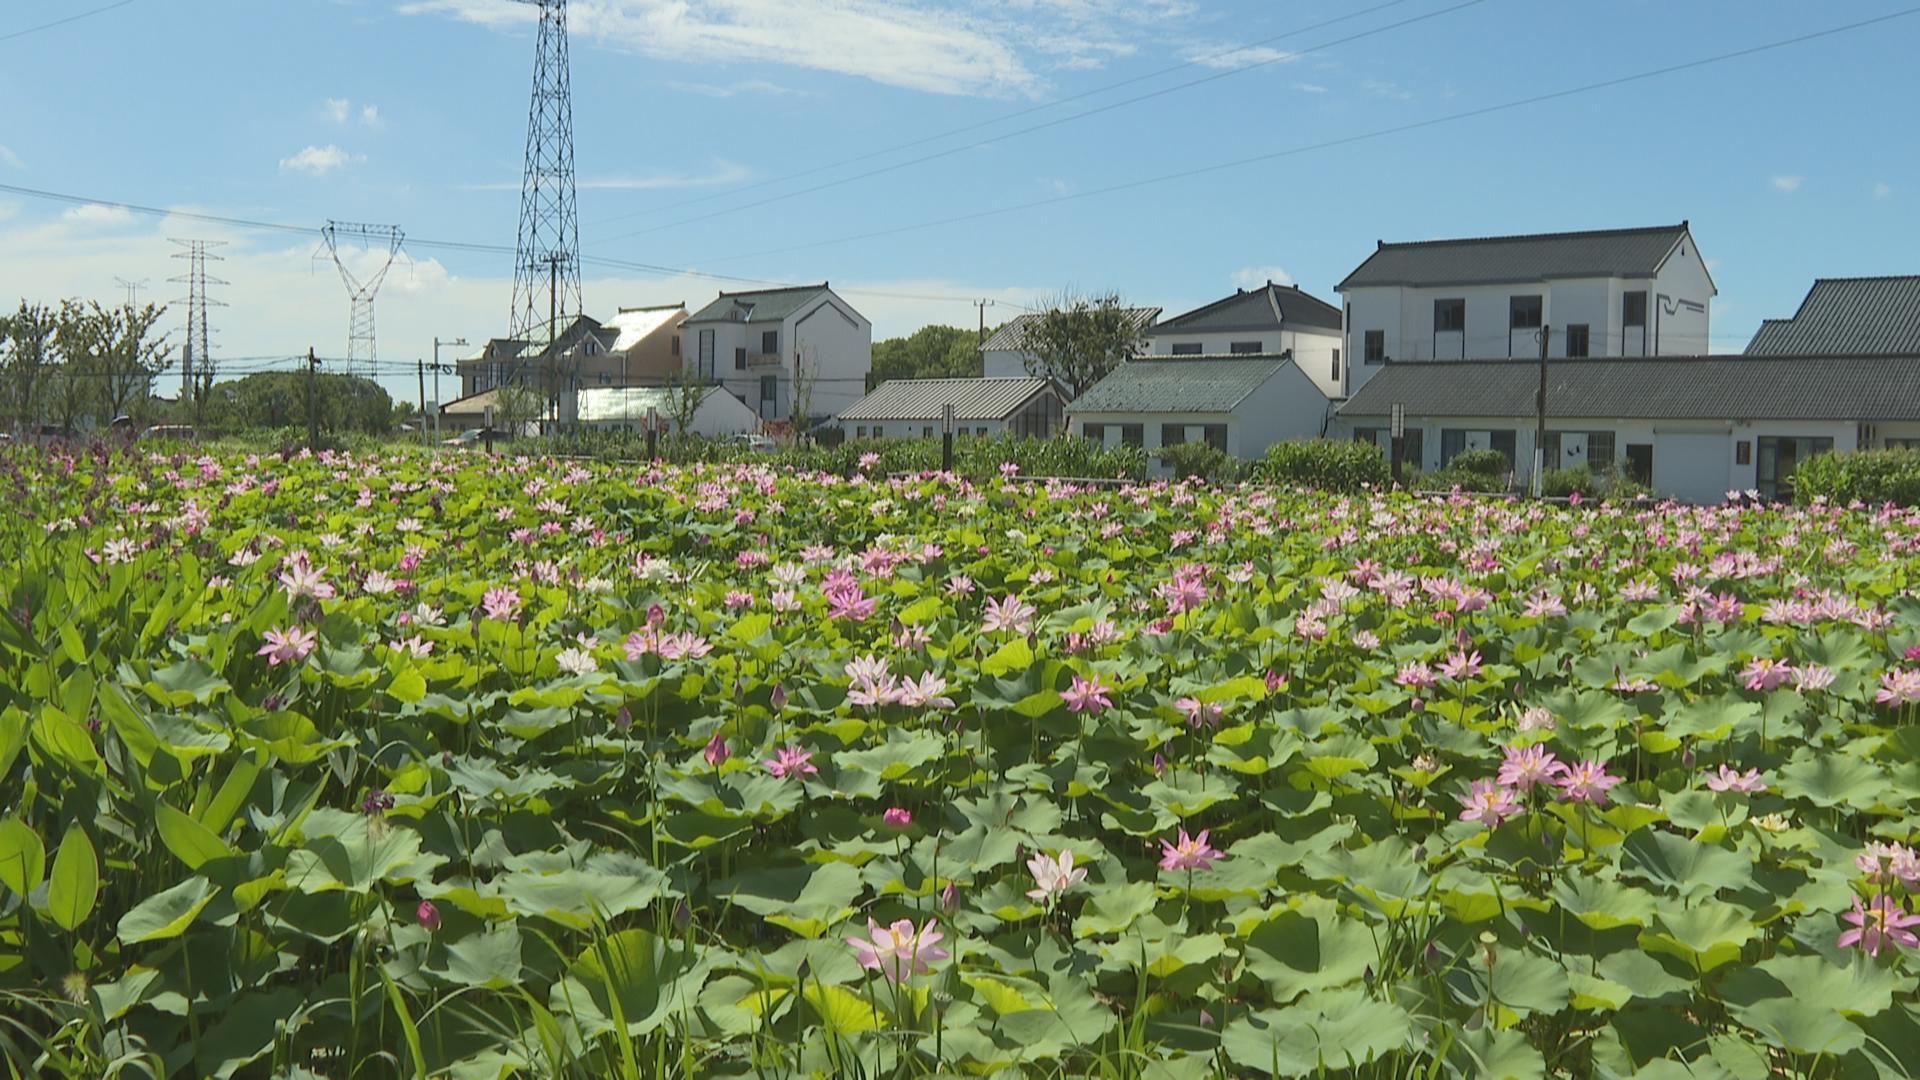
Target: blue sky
[(1791, 164)]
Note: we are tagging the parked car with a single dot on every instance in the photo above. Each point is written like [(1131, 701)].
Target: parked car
[(757, 443), (175, 432), (465, 439)]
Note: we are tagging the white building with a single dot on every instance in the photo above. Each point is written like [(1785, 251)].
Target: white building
[(718, 414), (1618, 292), (1006, 353), (1693, 428), (1023, 407), (769, 346), (1268, 321), (1240, 404)]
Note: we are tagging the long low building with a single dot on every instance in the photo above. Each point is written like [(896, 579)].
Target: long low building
[(1692, 428), (1238, 404), (1023, 407)]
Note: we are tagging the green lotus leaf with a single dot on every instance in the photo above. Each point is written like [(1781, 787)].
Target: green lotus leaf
[(167, 913), (1686, 866), (1338, 1029)]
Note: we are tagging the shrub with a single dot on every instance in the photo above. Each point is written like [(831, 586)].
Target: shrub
[(1485, 462), (1325, 464), (1455, 477), (1870, 476), (1200, 461), (1560, 483)]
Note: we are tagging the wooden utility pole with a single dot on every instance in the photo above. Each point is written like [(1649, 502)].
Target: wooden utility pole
[(313, 404), (981, 346), (422, 365), (1545, 334)]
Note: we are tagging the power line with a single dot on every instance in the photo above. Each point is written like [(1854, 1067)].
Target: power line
[(1364, 136), (1205, 60), (1044, 125), (65, 21)]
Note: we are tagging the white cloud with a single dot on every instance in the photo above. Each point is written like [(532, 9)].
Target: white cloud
[(8, 210), (318, 160), (1228, 58), (370, 115), (1788, 183), (1253, 277), (722, 174), (338, 109), (750, 86), (1309, 88), (95, 214), (1882, 189), (9, 158)]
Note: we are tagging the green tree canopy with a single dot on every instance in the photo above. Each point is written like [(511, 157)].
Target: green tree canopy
[(931, 352), (1080, 339)]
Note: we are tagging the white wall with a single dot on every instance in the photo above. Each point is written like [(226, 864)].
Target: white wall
[(1313, 350), (1287, 406), (919, 429), (1004, 363), (834, 342)]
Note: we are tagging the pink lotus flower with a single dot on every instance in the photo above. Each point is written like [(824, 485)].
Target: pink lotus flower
[(1053, 877), (428, 915), (1812, 677), (1900, 686), (1537, 718), (1587, 781), (1008, 613), (501, 604), (791, 761), (1529, 766), (1415, 676), (897, 817), (1876, 924), (1087, 695), (1200, 714), (899, 951), (718, 751), (301, 578), (1488, 803), (1765, 673), (1461, 665), (289, 646), (1191, 853), (1734, 780), (925, 693)]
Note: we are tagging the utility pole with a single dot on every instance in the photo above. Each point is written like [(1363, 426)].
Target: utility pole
[(460, 342), (313, 405), (981, 346), (422, 364), (1545, 334), (133, 290), (553, 320)]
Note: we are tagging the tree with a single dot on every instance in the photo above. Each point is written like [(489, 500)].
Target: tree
[(1079, 340), (126, 358), (931, 352), (515, 406), (684, 395), (27, 353)]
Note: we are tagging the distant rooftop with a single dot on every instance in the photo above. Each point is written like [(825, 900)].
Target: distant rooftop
[(757, 305), (1877, 316), (1266, 308), (927, 399), (1492, 260), (1187, 384), (1011, 336)]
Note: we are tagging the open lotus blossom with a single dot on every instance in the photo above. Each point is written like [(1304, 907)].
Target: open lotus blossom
[(1726, 779), (289, 646), (1052, 877), (1087, 695), (1488, 803), (299, 577), (1900, 686), (501, 604), (790, 761), (1526, 767), (1199, 713), (1415, 676), (1812, 677), (1765, 673), (1586, 781), (1878, 922), (577, 661), (1537, 718), (926, 692), (1461, 665), (1882, 863), (1189, 853), (1008, 613), (900, 951)]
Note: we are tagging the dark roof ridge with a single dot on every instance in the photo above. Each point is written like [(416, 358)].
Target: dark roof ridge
[(1684, 224), (774, 289)]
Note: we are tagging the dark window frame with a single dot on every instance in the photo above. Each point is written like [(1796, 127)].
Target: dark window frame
[(1133, 435), (1579, 341), (1628, 302), (739, 358), (1455, 306), (1375, 346), (1177, 431), (1186, 348), (1245, 348), (770, 343), (1526, 312)]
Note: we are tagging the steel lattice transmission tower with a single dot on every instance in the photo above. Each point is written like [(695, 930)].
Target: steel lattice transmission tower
[(546, 261), (196, 361), (361, 290)]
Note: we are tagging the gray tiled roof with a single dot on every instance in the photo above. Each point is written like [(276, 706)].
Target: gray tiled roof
[(1266, 308), (1495, 260), (927, 399), (1841, 316), (757, 305), (1011, 336), (1662, 388), (1188, 384)]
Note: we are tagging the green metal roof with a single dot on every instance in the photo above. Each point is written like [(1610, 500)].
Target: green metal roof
[(927, 399), (1848, 316), (1189, 384), (759, 305)]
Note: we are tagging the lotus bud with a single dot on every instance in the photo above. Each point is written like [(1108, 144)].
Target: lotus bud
[(682, 915), (428, 915)]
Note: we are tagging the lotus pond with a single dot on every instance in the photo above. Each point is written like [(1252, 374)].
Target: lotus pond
[(394, 766)]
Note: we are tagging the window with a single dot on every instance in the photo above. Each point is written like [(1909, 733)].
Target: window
[(1633, 308), (980, 431), (740, 358), (1577, 340), (769, 392), (1173, 434), (1640, 463), (1186, 348), (1743, 452), (1523, 312), (1216, 436), (1243, 348), (1095, 432), (593, 347), (1376, 347), (770, 342), (879, 431), (926, 432), (1780, 456), (1133, 434), (706, 354), (1449, 315), (860, 432), (1412, 444), (1599, 450), (676, 344), (1454, 441), (1336, 365)]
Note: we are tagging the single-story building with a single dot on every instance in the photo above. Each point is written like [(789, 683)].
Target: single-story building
[(1693, 428), (1240, 404), (1023, 407), (625, 408)]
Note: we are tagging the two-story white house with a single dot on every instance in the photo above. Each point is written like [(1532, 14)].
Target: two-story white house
[(1614, 292), (782, 351), (1272, 320)]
